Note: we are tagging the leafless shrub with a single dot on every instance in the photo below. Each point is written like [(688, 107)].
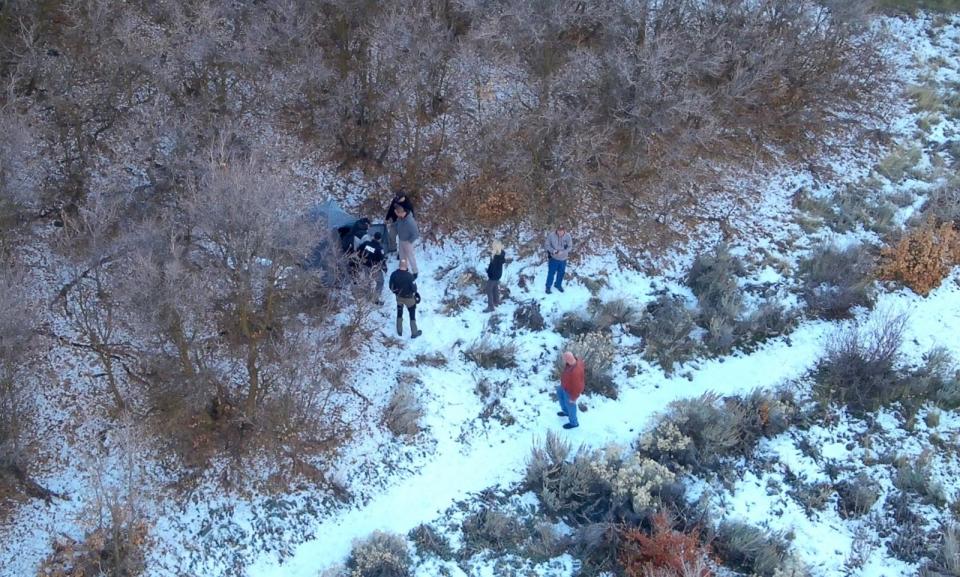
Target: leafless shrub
[(857, 495), (666, 330), (858, 369), (835, 280), (942, 205), (380, 555), (492, 355), (404, 411), (574, 323), (749, 549)]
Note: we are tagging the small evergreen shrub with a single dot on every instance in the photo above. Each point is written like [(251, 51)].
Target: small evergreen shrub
[(380, 555), (666, 331), (836, 280), (916, 477)]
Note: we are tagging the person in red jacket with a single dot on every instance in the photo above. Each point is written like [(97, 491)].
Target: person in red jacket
[(571, 385)]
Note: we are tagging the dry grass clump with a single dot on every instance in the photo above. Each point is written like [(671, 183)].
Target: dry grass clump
[(857, 495), (404, 411), (836, 280), (922, 258), (946, 560), (665, 552), (666, 329), (381, 554), (750, 550), (492, 355)]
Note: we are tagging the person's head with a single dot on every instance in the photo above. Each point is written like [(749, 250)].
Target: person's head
[(400, 195), (401, 212), (496, 247), (569, 359), (403, 264), (377, 236), (561, 229)]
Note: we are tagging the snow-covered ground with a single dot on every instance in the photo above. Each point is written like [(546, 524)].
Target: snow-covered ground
[(398, 484)]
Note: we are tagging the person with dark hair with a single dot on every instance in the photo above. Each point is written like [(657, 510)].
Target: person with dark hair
[(572, 381), (371, 256), (401, 200), (494, 272), (404, 286)]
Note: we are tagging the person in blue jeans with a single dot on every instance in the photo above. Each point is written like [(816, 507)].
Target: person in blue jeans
[(558, 245), (572, 381)]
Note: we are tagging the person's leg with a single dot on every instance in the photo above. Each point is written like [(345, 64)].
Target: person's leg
[(551, 272), (412, 259), (399, 319), (572, 411), (562, 398), (561, 270), (392, 238), (378, 278), (496, 293), (402, 251), (414, 332), (488, 289)]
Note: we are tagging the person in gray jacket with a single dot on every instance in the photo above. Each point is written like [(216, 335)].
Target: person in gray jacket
[(407, 234), (558, 245)]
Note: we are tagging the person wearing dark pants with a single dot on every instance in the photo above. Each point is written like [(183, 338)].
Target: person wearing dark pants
[(404, 286), (572, 381), (494, 272), (371, 256), (558, 245), (401, 200)]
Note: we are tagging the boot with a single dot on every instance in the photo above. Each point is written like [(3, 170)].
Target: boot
[(414, 332)]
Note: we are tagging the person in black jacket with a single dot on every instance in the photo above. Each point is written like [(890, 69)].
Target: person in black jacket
[(404, 286), (371, 256), (400, 199), (494, 272)]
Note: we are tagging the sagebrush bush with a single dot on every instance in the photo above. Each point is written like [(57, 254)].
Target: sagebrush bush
[(664, 552), (858, 369), (922, 258), (713, 280), (597, 546), (615, 312), (380, 555), (937, 380), (491, 529), (942, 206), (836, 280), (854, 206), (528, 316), (573, 324), (750, 550), (492, 355), (568, 484), (429, 542), (857, 495), (666, 331), (598, 351), (633, 479), (697, 433), (946, 560), (403, 413), (769, 320), (916, 476), (899, 161)]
